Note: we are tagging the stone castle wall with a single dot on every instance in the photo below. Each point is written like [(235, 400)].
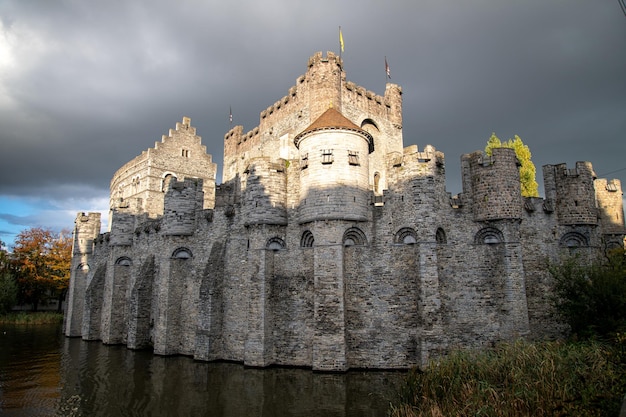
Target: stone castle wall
[(349, 262)]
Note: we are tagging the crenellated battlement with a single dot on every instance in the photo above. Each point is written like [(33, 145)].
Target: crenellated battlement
[(122, 227), (572, 192), (493, 184), (86, 229), (183, 199), (330, 58), (415, 164), (264, 189)]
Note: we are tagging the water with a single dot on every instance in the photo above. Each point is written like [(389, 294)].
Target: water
[(43, 373)]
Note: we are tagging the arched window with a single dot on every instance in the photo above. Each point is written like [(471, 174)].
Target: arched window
[(275, 244), (440, 236), (167, 178), (369, 126), (307, 239), (135, 185), (83, 267), (377, 182), (573, 240), (488, 236), (182, 253), (406, 236), (614, 246), (354, 237), (123, 261)]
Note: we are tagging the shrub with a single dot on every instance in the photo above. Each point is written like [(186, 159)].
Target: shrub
[(591, 298)]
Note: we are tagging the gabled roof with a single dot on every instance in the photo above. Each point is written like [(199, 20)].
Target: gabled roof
[(332, 119)]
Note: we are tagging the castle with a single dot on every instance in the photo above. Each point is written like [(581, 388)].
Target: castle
[(328, 244)]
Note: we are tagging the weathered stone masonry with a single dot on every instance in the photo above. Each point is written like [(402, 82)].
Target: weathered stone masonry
[(328, 244)]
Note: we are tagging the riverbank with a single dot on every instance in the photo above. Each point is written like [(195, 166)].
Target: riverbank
[(522, 378), (31, 317)]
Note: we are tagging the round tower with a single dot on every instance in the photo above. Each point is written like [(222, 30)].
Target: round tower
[(572, 192), (265, 192), (495, 184), (334, 166)]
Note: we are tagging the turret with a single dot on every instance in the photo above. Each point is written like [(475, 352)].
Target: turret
[(182, 201), (494, 184), (266, 191), (324, 77), (86, 230), (610, 205), (572, 193), (334, 169), (122, 228), (393, 97)]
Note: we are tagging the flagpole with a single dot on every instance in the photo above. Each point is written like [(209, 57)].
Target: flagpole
[(387, 71), (340, 70)]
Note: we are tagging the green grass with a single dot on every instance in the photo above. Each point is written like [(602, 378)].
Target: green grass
[(23, 317), (520, 379)]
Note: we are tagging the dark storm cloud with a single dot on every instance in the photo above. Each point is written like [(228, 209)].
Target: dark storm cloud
[(86, 86)]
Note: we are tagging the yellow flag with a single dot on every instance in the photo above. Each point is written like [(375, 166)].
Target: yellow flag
[(340, 39)]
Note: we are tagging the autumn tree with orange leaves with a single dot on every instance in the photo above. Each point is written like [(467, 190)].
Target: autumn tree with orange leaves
[(42, 265)]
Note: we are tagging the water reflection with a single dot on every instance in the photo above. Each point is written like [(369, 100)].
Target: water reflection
[(53, 375), (30, 375)]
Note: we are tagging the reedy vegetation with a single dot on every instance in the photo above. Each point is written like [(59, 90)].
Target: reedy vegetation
[(23, 317), (518, 379)]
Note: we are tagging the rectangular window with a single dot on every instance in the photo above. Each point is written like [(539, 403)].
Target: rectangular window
[(353, 158), (305, 161), (327, 156), (185, 153)]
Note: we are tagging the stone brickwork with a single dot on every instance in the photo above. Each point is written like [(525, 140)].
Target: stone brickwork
[(140, 184), (328, 244)]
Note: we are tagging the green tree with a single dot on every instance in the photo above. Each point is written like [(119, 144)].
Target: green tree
[(8, 287), (59, 261), (8, 292), (591, 298), (527, 169), (493, 142), (42, 264)]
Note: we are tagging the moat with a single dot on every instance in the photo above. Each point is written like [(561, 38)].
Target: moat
[(43, 373)]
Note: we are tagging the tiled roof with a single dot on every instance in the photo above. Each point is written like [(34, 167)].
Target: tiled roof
[(332, 119)]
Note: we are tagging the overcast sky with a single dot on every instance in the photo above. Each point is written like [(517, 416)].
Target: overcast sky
[(85, 86)]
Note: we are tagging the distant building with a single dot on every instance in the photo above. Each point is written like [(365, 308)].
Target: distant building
[(328, 244)]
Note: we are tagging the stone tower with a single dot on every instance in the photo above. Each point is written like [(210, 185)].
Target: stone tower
[(86, 230)]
